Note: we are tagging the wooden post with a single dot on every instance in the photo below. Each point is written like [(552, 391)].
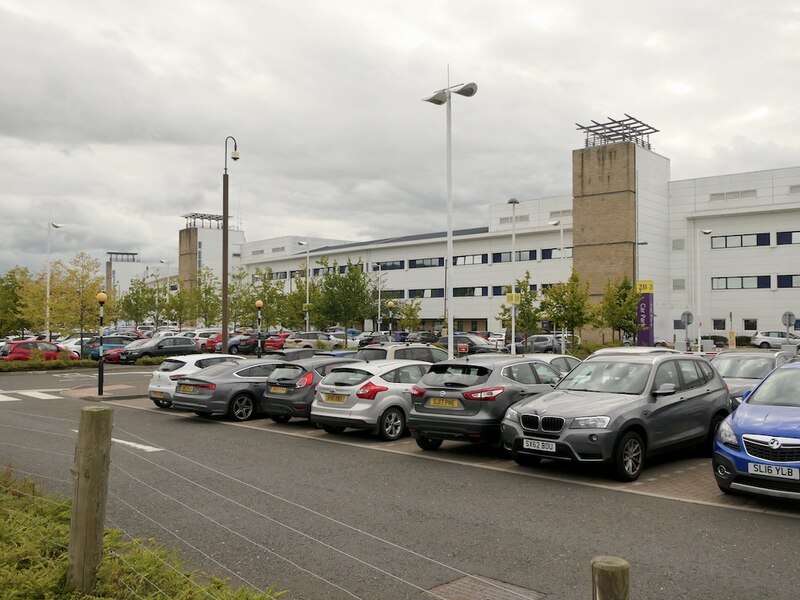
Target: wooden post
[(610, 578), (90, 479)]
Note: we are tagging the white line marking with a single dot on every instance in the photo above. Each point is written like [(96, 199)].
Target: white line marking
[(38, 395), (8, 399), (133, 444)]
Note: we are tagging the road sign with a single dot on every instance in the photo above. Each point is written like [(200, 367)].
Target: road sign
[(788, 319), (687, 317), (513, 298), (645, 286)]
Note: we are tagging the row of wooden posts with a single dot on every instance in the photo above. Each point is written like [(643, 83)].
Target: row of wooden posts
[(610, 575)]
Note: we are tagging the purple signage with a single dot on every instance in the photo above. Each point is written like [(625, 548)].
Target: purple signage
[(644, 317)]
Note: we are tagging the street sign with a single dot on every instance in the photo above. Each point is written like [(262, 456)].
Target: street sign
[(513, 298), (788, 319), (687, 318), (645, 286)]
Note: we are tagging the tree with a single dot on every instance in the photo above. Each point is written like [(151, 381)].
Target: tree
[(73, 295), (618, 308), (528, 317), (407, 314), (293, 313), (179, 307), (135, 304), (205, 296), (11, 319), (345, 297), (241, 299), (270, 292), (567, 304)]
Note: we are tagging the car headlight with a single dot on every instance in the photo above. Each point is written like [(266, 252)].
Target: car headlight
[(590, 423), (512, 415), (726, 435)]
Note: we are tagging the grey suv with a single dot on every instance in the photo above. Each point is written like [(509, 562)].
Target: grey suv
[(618, 410), (394, 351), (465, 399), (162, 346)]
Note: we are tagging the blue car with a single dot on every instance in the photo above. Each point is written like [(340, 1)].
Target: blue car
[(757, 447)]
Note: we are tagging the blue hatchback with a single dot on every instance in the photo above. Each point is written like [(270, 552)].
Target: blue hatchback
[(757, 448)]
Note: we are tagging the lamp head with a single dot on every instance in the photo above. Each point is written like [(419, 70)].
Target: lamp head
[(705, 231), (56, 225), (235, 155), (259, 304), (390, 305), (302, 243), (438, 98), (513, 201), (101, 298), (467, 89)]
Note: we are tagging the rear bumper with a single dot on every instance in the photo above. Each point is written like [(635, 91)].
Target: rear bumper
[(284, 406), (479, 430)]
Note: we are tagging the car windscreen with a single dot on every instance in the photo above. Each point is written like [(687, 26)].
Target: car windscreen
[(782, 388), (441, 375), (743, 367), (171, 365), (371, 354), (346, 376), (287, 373), (609, 376)]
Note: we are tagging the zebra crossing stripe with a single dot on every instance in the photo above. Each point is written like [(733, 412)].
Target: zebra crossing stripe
[(38, 395), (8, 399)]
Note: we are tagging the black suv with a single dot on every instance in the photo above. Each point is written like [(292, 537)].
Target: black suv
[(164, 346)]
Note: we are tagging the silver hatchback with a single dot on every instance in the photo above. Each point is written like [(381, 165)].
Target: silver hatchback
[(373, 395)]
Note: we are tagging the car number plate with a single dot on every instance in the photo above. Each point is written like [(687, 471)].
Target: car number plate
[(335, 398), (159, 394), (773, 471), (539, 445), (186, 388), (277, 389), (444, 402)]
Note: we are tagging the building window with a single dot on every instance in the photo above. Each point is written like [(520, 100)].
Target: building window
[(393, 294), (788, 237), (432, 293), (751, 282), (256, 253), (746, 240), (750, 324), (391, 265), (420, 263), (499, 290), (465, 292), (501, 257), (199, 244), (279, 275), (718, 324), (279, 249), (471, 259), (679, 244), (549, 253), (678, 285), (298, 273), (789, 281), (678, 324), (733, 195)]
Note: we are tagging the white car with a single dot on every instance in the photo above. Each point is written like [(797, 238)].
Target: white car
[(164, 379)]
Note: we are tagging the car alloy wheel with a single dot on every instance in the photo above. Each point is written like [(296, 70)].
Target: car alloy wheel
[(241, 408), (628, 457), (160, 403), (392, 424)]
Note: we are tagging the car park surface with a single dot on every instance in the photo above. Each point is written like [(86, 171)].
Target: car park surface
[(618, 411), (375, 396)]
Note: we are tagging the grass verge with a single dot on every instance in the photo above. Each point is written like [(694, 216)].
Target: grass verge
[(34, 534)]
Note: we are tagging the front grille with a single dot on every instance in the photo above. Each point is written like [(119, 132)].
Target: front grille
[(534, 422), (530, 421), (552, 423), (759, 449)]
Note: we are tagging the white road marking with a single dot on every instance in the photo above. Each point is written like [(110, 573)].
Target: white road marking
[(38, 395), (8, 399), (133, 444)]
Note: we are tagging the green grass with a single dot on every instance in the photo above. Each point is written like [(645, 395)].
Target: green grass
[(34, 534), (43, 365)]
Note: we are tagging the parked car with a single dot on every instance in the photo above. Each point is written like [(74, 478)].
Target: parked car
[(373, 338), (22, 350), (277, 340), (290, 388), (563, 363), (112, 355), (75, 342), (163, 346), (742, 371), (633, 350), (757, 448), (774, 339), (294, 353), (109, 341), (375, 396), (231, 389), (202, 337), (312, 339), (619, 410), (408, 351), (422, 337), (465, 399), (474, 344), (163, 381)]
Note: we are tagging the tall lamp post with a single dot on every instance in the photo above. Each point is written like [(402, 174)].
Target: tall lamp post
[(234, 156), (560, 225), (308, 278), (513, 202), (389, 307), (697, 286), (164, 261), (101, 300), (50, 225), (259, 304), (378, 320), (444, 97)]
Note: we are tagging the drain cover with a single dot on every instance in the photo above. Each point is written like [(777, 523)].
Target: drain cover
[(482, 588)]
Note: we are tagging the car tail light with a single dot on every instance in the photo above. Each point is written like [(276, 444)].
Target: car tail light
[(370, 390), (417, 392), (305, 380), (175, 377), (484, 394), (205, 386)]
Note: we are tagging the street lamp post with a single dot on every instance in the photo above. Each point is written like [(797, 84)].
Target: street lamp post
[(234, 156), (378, 320), (444, 97), (50, 225), (259, 304), (513, 202), (308, 278), (166, 262), (101, 300), (697, 286), (389, 307), (560, 224)]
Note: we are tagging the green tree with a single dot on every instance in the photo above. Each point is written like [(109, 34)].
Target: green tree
[(11, 319), (345, 297), (567, 303), (293, 312), (617, 310), (270, 291), (206, 301), (241, 299), (407, 314), (134, 305), (529, 316), (179, 307), (34, 298), (73, 296)]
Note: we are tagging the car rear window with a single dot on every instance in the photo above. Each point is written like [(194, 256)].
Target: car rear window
[(343, 376), (441, 375), (371, 354), (744, 367), (171, 365), (287, 373)]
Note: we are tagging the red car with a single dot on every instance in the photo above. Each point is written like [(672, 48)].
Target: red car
[(112, 354), (276, 341), (21, 350)]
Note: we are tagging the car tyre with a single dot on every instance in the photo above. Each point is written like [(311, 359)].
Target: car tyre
[(628, 459), (333, 428), (706, 447), (392, 424), (428, 444), (280, 418), (160, 403), (764, 345), (145, 355), (525, 460), (241, 408), (234, 350)]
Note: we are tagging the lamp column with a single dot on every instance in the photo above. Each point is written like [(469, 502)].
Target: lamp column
[(697, 287), (259, 305), (513, 202), (234, 156), (101, 300)]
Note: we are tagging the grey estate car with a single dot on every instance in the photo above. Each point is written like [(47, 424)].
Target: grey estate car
[(618, 410), (465, 399)]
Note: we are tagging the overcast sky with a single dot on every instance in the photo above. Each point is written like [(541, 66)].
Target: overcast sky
[(113, 115)]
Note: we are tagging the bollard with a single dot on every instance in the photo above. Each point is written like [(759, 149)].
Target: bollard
[(610, 578)]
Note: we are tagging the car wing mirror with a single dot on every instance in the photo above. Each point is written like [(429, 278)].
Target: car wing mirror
[(554, 380), (665, 389), (746, 395)]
